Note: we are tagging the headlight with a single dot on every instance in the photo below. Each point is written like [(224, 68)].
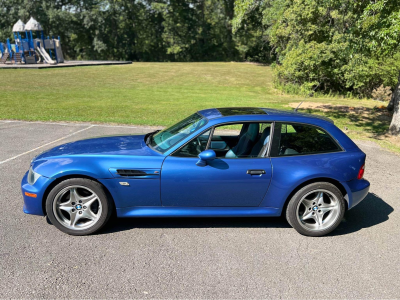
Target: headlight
[(32, 176)]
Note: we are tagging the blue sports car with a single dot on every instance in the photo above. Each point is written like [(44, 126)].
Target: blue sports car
[(225, 162)]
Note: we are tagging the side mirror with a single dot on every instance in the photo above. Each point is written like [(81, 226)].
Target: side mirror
[(205, 157)]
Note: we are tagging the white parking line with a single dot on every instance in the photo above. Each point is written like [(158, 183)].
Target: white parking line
[(60, 139)]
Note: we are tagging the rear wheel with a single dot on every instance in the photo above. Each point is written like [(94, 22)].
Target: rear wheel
[(316, 209), (78, 206)]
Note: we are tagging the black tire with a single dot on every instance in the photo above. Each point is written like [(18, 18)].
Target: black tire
[(106, 204), (291, 210)]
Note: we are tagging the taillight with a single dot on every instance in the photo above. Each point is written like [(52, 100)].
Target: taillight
[(361, 172)]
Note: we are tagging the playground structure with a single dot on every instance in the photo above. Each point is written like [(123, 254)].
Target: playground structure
[(30, 46)]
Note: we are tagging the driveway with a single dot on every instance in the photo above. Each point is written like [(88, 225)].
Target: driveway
[(193, 258)]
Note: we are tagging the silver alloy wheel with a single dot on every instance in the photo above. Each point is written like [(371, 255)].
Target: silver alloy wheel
[(318, 210), (77, 207)]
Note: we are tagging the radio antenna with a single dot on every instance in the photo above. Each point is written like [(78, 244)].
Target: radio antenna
[(295, 110)]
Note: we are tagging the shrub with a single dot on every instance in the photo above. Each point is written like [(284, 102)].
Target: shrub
[(382, 93)]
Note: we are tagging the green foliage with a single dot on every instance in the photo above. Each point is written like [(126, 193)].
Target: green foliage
[(197, 30), (141, 30), (249, 30), (379, 27), (339, 46)]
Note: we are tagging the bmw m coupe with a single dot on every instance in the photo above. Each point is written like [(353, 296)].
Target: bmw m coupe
[(225, 162)]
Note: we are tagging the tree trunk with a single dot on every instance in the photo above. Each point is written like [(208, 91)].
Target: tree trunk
[(394, 127), (229, 8), (391, 103)]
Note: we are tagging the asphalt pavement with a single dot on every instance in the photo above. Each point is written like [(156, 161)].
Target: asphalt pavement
[(193, 258)]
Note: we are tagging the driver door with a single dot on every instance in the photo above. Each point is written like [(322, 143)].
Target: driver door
[(223, 182)]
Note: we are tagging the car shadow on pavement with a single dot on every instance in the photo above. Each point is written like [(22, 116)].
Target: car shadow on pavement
[(370, 212), (131, 223)]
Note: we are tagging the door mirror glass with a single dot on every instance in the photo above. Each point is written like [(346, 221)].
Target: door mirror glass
[(206, 156)]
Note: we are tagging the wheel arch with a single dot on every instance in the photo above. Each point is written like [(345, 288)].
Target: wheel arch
[(70, 176), (319, 179)]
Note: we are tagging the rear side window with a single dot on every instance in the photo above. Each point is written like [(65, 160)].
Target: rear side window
[(300, 139)]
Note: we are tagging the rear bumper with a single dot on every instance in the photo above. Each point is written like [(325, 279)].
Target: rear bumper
[(359, 190), (33, 205)]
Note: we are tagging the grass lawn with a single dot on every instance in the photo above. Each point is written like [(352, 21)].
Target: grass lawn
[(163, 93)]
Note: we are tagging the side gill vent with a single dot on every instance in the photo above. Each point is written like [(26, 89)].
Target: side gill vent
[(131, 173)]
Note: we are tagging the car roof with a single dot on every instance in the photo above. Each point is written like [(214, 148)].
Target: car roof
[(213, 113)]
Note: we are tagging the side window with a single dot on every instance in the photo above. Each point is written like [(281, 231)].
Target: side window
[(195, 146), (242, 140), (225, 138), (298, 139)]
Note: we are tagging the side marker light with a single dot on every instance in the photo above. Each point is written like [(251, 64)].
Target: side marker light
[(30, 195)]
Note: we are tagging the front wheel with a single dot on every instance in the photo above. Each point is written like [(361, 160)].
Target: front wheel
[(78, 206), (316, 209)]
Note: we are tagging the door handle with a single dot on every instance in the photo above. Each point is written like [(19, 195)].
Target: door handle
[(255, 172)]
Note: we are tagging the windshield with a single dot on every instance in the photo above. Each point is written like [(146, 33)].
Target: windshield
[(164, 140)]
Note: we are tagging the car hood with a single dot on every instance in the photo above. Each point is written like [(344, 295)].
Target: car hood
[(109, 145)]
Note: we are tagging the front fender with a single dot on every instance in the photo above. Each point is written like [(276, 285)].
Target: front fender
[(64, 166)]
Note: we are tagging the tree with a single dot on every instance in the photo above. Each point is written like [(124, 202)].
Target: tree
[(380, 31), (197, 30), (340, 46), (250, 32), (140, 30)]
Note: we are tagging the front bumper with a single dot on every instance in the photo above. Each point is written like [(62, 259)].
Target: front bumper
[(359, 190), (33, 205)]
